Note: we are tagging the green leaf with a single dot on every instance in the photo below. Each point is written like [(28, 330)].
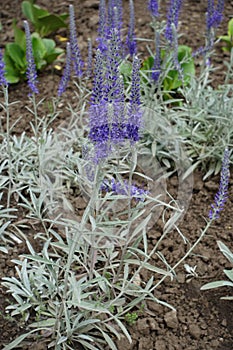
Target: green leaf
[(44, 22), (19, 35), (148, 267), (50, 322), (109, 341), (40, 259), (172, 81), (52, 52), (12, 75), (87, 345), (39, 50), (53, 56), (229, 274), (21, 309), (19, 339), (17, 55), (28, 11), (38, 12), (225, 38), (216, 284), (64, 16), (49, 24), (148, 63), (226, 251), (230, 29), (49, 45), (126, 69)]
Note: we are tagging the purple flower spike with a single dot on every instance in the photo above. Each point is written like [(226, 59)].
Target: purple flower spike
[(153, 7), (134, 110), (120, 13), (102, 30), (214, 17), (130, 41), (31, 67), (172, 18), (214, 14), (222, 194), (219, 12), (67, 72), (3, 81), (113, 14), (113, 84), (75, 52), (98, 83)]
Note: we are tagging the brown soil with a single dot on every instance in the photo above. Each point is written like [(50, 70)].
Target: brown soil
[(202, 321)]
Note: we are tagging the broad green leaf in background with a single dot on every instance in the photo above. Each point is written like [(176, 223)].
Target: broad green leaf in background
[(39, 50), (52, 52), (11, 73), (17, 55), (32, 11), (19, 35), (172, 80), (228, 39), (44, 22), (49, 24)]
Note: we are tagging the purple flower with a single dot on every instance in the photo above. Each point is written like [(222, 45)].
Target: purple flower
[(98, 83), (153, 7), (214, 14), (134, 109), (75, 52), (110, 125), (99, 122), (109, 20), (2, 71), (102, 30), (172, 18), (123, 188), (130, 41), (222, 194), (31, 67), (219, 12), (113, 83), (120, 13), (115, 14), (209, 14), (67, 72), (214, 17)]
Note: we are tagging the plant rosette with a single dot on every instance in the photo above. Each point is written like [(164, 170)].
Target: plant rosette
[(126, 192)]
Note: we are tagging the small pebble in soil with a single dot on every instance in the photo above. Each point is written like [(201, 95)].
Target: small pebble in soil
[(195, 331), (142, 326), (91, 4), (160, 345), (171, 320), (153, 324)]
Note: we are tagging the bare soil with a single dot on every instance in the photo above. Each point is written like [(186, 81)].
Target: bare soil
[(202, 321)]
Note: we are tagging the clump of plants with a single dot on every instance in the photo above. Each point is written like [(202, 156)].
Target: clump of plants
[(44, 49), (84, 287)]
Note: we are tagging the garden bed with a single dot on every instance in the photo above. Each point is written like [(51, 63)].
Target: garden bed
[(201, 321)]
